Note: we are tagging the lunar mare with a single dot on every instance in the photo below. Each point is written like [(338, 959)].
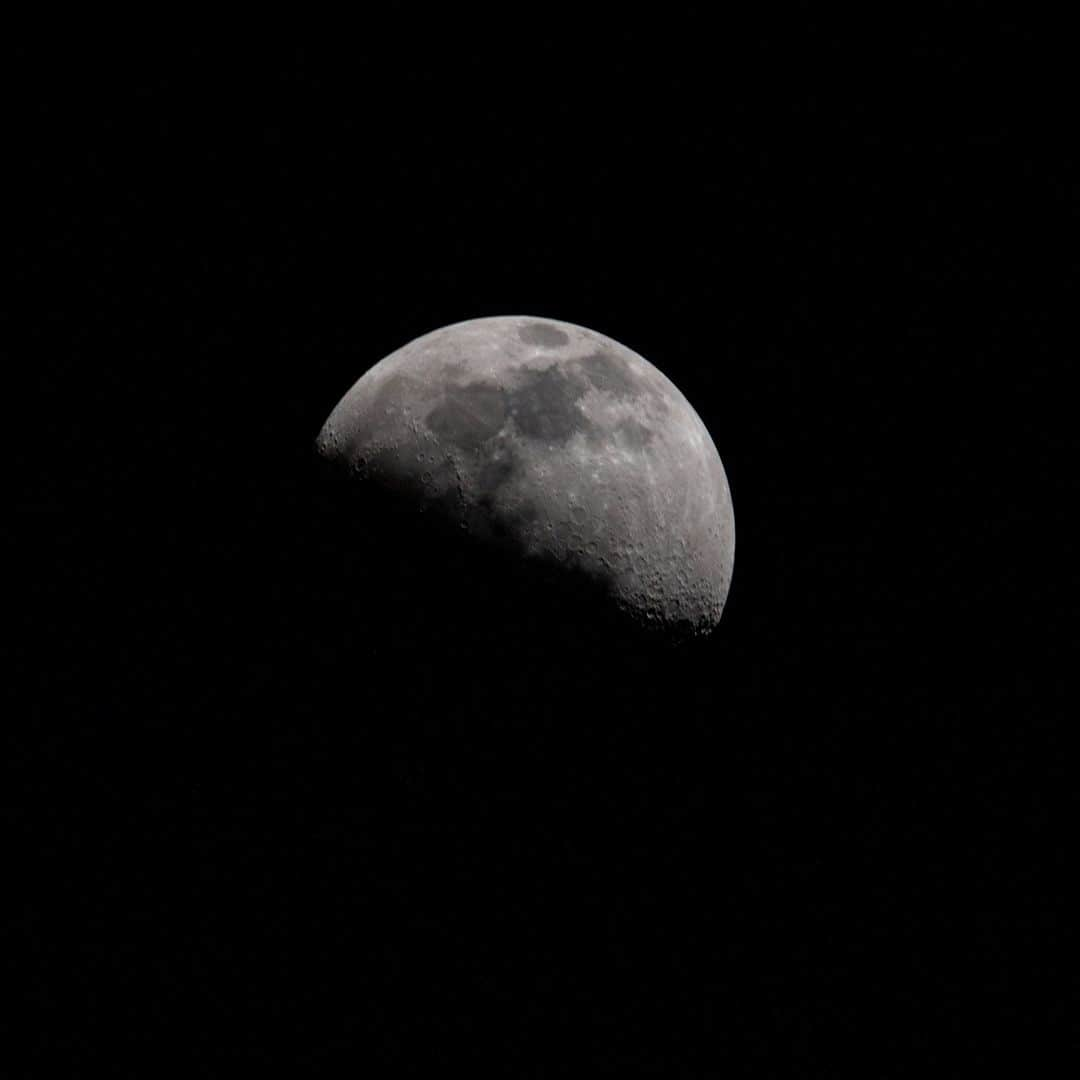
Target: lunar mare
[(558, 443)]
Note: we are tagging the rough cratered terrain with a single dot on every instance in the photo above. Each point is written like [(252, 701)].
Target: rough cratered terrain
[(557, 446)]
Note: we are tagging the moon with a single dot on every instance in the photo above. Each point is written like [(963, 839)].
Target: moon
[(554, 444)]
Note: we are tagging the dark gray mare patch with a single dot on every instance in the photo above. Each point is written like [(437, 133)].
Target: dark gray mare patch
[(544, 404), (469, 415), (612, 375), (543, 334)]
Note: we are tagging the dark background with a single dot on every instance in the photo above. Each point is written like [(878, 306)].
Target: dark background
[(273, 808)]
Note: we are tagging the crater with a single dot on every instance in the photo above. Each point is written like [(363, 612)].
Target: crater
[(543, 334)]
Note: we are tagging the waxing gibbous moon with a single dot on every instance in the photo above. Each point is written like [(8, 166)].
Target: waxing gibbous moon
[(558, 445)]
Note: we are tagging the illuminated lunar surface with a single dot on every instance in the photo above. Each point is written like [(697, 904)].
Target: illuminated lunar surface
[(557, 445)]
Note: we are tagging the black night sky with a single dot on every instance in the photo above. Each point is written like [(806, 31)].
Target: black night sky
[(277, 808)]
